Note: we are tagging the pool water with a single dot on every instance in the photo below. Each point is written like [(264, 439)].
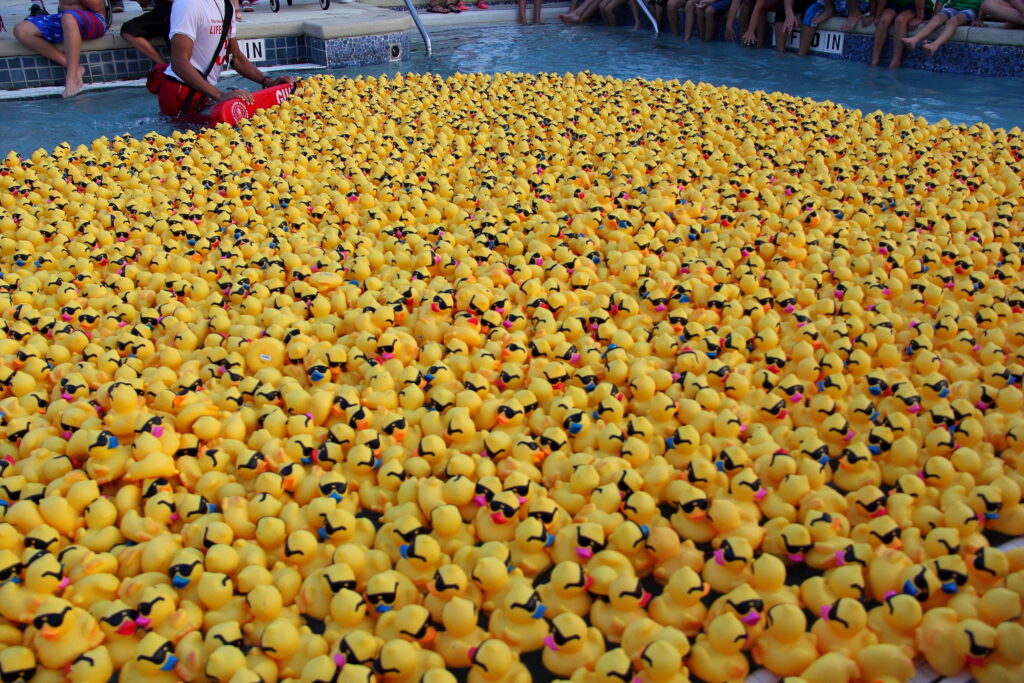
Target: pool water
[(33, 123)]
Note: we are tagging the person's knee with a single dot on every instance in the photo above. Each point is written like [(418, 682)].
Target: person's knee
[(25, 29), (709, 12)]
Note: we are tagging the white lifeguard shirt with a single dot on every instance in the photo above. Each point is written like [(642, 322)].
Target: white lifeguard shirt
[(202, 21)]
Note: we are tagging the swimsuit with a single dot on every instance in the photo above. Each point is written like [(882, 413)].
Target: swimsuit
[(969, 14), (841, 7), (153, 24), (90, 24), (967, 8)]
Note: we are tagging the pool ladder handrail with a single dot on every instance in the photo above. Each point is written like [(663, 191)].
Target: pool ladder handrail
[(643, 6), (419, 24)]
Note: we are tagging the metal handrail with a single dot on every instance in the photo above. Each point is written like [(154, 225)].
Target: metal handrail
[(650, 16), (419, 24)]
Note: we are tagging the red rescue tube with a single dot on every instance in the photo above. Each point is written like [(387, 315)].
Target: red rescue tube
[(233, 111)]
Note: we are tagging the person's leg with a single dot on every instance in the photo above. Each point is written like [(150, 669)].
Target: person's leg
[(522, 12), (673, 8), (1003, 11), (144, 46), (853, 14), (582, 13), (933, 23), (72, 51), (961, 19), (807, 33), (29, 35), (608, 8), (746, 7), (692, 10), (635, 10), (536, 11), (757, 28), (781, 37), (709, 24), (882, 34), (899, 32)]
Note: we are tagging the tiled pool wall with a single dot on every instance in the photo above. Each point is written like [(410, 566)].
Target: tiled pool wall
[(32, 71), (358, 50), (977, 59)]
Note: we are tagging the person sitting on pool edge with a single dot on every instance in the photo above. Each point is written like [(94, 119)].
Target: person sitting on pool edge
[(953, 15), (1010, 11), (76, 21), (904, 16), (196, 27), (823, 10), (153, 24), (789, 14)]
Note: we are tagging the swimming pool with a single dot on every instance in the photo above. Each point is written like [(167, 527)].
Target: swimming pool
[(34, 123)]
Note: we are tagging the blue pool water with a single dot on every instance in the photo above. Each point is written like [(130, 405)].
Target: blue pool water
[(31, 124)]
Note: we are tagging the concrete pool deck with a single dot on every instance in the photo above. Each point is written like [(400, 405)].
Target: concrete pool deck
[(378, 31)]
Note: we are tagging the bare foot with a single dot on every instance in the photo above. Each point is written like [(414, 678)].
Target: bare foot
[(930, 48), (874, 62), (849, 24), (821, 18), (911, 43), (568, 19), (868, 20), (894, 64), (73, 82)]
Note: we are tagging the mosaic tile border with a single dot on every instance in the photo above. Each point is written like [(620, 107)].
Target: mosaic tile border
[(359, 50), (34, 71), (977, 59)]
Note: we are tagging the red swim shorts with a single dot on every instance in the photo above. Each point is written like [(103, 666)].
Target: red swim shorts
[(172, 98)]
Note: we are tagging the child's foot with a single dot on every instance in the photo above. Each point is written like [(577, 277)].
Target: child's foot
[(868, 20), (874, 62), (894, 64), (567, 19), (74, 81), (930, 48), (849, 24), (911, 43)]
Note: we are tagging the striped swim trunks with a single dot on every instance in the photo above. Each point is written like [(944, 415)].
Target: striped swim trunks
[(90, 24)]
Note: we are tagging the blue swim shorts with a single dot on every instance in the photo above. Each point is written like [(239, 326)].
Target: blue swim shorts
[(90, 24), (969, 14), (841, 6)]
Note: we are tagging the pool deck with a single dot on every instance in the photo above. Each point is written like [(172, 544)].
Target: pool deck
[(378, 31)]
